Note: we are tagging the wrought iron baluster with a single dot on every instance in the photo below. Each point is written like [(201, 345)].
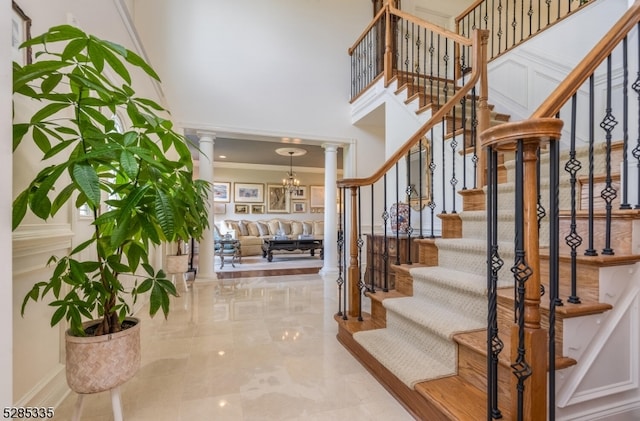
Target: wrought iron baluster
[(499, 33), (341, 259), (540, 208), (554, 268), (385, 251), (636, 151), (423, 88), (625, 126), (548, 2), (591, 251), (397, 205), (463, 103), (432, 61), (370, 245), (420, 185), (474, 136), (573, 239), (514, 24), (494, 343), (432, 169), (608, 193), (521, 272), (361, 283), (530, 14)]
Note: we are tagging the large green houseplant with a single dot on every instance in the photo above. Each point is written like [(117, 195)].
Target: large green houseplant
[(137, 195)]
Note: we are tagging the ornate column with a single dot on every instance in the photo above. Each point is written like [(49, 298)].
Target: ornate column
[(330, 209), (205, 253)]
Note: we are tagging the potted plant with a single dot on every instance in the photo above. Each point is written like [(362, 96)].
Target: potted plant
[(137, 195), (191, 227)]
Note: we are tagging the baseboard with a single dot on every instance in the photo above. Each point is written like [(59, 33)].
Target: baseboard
[(50, 392)]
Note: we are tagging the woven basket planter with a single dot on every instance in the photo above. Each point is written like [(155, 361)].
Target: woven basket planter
[(99, 363), (177, 264)]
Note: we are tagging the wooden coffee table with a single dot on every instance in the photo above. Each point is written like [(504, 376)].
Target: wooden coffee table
[(310, 244)]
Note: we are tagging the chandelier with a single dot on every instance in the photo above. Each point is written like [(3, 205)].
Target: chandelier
[(290, 184)]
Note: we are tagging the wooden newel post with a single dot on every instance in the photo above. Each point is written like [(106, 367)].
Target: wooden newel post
[(529, 344), (388, 53), (484, 113), (354, 271)]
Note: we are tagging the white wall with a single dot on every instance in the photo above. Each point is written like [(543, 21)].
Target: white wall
[(6, 284), (521, 80), (275, 67)]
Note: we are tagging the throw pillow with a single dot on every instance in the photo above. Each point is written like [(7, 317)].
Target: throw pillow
[(296, 228), (285, 227), (253, 229), (263, 229), (318, 227), (233, 225), (307, 228), (242, 226), (274, 226)]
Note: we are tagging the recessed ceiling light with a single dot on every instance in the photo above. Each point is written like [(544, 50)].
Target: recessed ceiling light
[(222, 156)]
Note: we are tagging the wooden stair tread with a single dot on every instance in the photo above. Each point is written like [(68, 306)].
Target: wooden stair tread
[(477, 341), (456, 398), (406, 267), (380, 295), (600, 213), (353, 325), (568, 310), (600, 260)]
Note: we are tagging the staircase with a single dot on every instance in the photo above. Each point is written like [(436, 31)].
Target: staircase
[(426, 340)]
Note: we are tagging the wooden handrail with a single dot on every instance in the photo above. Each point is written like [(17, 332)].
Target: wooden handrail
[(552, 105), (432, 27), (479, 41), (467, 11), (368, 28)]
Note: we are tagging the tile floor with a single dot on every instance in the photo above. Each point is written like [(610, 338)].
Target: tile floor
[(260, 348)]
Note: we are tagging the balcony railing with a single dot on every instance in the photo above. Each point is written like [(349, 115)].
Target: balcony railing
[(512, 22)]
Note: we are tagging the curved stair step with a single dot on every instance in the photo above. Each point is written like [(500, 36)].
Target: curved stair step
[(408, 363)]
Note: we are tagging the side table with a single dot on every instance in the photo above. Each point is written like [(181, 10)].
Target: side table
[(227, 248)]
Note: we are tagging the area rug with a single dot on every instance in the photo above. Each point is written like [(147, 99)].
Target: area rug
[(282, 264)]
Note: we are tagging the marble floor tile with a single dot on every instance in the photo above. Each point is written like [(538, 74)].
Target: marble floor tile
[(247, 349)]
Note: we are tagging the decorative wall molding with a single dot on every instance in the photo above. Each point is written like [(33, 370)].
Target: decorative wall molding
[(596, 385), (33, 240)]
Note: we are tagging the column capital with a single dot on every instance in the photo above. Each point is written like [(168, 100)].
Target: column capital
[(206, 134), (331, 147)]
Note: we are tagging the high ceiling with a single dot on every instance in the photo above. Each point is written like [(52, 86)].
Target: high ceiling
[(251, 151)]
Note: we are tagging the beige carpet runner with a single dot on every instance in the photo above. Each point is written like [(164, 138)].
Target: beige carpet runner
[(417, 344)]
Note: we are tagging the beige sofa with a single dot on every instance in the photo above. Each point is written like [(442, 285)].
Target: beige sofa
[(252, 233)]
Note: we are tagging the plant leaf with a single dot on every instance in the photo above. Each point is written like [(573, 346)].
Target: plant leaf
[(129, 163), (164, 213), (19, 209), (87, 178)]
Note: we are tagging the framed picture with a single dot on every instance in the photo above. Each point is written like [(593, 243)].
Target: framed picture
[(20, 32), (299, 193), (277, 199), (316, 195), (299, 206), (219, 208), (248, 192), (241, 208), (257, 209), (221, 192)]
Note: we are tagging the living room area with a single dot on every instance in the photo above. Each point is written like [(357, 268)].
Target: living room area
[(268, 206)]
